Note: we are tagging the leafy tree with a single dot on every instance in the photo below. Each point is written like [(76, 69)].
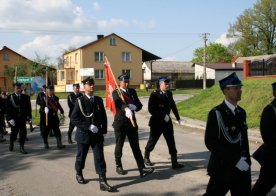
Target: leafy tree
[(256, 30), (60, 59), (215, 53), (19, 69)]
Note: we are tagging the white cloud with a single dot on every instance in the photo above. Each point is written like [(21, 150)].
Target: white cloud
[(96, 6), (224, 40), (48, 46)]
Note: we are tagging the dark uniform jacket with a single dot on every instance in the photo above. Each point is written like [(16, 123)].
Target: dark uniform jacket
[(159, 105), (224, 153), (39, 99), (53, 105), (2, 111), (18, 110), (99, 119), (71, 100), (130, 97), (266, 154)]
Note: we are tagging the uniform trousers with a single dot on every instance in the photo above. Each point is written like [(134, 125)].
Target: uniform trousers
[(71, 128), (20, 127), (53, 124), (233, 180), (266, 180), (156, 130), (98, 152), (133, 138)]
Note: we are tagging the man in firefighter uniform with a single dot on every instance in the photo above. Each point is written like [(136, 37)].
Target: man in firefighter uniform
[(19, 111), (125, 113), (52, 108), (89, 116), (39, 99), (227, 140), (71, 100), (160, 104), (266, 153)]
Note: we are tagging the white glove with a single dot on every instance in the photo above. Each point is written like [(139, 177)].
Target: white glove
[(30, 121), (93, 128), (128, 113), (132, 107), (167, 118), (11, 122), (179, 122), (242, 164), (46, 110)]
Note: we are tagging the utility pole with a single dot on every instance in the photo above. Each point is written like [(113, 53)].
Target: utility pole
[(204, 60)]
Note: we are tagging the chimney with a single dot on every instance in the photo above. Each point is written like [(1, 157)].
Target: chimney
[(100, 36)]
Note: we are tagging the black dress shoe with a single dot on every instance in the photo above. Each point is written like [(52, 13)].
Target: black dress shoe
[(148, 162), (80, 179), (22, 150), (70, 141), (46, 146), (146, 171), (120, 170), (177, 166)]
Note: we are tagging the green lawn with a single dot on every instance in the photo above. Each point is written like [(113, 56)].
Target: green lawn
[(256, 94)]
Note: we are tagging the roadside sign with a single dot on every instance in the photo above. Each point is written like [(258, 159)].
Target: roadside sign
[(86, 71), (24, 79)]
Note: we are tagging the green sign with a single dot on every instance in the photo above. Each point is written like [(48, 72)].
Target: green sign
[(24, 79)]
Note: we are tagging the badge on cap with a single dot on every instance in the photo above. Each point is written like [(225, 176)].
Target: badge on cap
[(124, 77)]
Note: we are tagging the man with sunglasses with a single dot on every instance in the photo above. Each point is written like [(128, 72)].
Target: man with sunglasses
[(160, 104)]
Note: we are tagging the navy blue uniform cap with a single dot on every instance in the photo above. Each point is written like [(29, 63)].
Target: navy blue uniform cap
[(273, 86), (231, 80), (76, 85), (164, 79), (50, 87), (17, 84), (88, 80), (124, 77)]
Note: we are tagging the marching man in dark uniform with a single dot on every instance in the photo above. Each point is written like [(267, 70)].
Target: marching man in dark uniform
[(160, 104), (266, 153), (19, 111), (2, 119), (39, 99), (89, 116), (71, 100), (53, 119), (125, 111), (227, 140)]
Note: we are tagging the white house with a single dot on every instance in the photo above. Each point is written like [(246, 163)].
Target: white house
[(217, 71)]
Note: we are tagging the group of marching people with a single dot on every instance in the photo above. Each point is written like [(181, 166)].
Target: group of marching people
[(226, 134)]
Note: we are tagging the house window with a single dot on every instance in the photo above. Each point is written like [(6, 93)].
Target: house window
[(62, 75), (126, 57), (76, 58), (77, 72), (99, 74), (126, 71), (113, 41), (6, 57), (99, 56)]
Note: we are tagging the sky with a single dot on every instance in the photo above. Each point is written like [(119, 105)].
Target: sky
[(170, 29)]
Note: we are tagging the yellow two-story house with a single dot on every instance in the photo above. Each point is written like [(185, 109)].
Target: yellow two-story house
[(124, 57)]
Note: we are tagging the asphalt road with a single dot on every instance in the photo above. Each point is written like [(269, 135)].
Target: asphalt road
[(51, 172)]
